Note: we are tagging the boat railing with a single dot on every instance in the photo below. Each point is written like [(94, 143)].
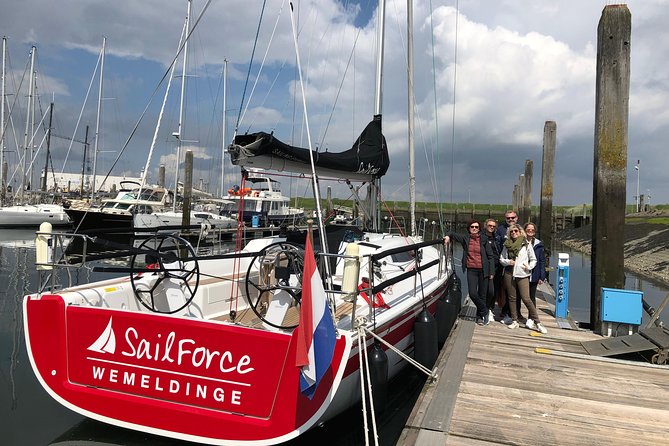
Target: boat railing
[(373, 261)]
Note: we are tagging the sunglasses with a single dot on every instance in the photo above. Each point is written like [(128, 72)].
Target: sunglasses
[(530, 230), (512, 218), (514, 230), (474, 226)]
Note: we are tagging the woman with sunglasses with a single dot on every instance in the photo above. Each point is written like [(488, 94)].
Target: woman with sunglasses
[(518, 259), (478, 261)]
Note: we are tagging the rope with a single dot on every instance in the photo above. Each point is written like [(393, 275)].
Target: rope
[(430, 373), (248, 74), (362, 387), (392, 216), (361, 334)]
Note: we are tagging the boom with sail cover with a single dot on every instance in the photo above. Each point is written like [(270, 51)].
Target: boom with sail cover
[(366, 160)]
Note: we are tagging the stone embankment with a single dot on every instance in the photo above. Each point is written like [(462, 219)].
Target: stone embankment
[(646, 248)]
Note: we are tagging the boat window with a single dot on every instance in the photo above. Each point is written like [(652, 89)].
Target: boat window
[(402, 257)]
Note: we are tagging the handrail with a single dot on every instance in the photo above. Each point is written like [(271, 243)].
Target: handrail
[(386, 283), (412, 247)]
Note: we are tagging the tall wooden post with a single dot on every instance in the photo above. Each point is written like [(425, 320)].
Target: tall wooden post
[(188, 188), (546, 203), (514, 198), (520, 199), (610, 163), (527, 192)]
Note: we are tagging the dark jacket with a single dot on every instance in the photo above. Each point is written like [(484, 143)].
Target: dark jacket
[(495, 241), (539, 271), (487, 256)]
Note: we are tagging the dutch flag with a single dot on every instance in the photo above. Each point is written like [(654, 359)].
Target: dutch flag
[(316, 335)]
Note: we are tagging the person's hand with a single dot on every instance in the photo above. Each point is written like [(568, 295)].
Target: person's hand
[(446, 239), (512, 262), (540, 282), (491, 277)]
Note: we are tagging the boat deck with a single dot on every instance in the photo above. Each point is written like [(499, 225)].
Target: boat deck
[(502, 386)]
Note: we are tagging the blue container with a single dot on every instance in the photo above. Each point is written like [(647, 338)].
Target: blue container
[(255, 221), (562, 287), (623, 306)]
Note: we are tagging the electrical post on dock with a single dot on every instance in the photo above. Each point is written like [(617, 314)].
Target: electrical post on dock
[(562, 287)]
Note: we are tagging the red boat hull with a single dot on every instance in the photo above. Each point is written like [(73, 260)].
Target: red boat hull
[(183, 378)]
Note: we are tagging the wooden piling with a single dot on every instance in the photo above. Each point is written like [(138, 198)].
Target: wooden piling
[(188, 188), (527, 192), (610, 157), (546, 201)]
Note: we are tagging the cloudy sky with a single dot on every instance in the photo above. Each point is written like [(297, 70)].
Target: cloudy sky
[(519, 64)]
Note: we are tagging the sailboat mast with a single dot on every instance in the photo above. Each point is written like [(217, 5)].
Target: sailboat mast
[(412, 167), (223, 137), (179, 131), (25, 134), (374, 189), (97, 119), (48, 149), (2, 122)]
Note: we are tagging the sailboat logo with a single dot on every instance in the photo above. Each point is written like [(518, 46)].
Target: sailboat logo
[(106, 342)]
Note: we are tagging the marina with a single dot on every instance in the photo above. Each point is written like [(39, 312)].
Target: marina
[(24, 399)]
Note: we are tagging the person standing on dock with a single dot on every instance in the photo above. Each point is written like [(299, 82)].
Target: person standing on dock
[(510, 217), (539, 271), (479, 264), (495, 241), (518, 259)]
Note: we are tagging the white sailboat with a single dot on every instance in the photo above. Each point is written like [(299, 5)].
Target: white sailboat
[(24, 214), (217, 350)]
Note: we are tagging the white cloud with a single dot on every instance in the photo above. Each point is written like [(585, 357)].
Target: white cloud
[(518, 65)]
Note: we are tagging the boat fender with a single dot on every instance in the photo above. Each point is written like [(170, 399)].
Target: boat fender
[(454, 295), (378, 371), (425, 339), (446, 315), (44, 247), (351, 272)]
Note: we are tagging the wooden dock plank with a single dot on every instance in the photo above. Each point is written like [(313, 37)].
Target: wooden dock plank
[(508, 393)]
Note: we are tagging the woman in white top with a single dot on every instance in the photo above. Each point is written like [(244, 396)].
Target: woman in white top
[(518, 260)]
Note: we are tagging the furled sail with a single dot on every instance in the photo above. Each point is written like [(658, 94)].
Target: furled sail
[(366, 160)]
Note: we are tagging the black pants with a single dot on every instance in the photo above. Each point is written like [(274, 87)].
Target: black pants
[(493, 286), (477, 284)]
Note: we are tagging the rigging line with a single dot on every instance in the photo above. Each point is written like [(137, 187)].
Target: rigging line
[(455, 76), (271, 87), (262, 64), (341, 85), (436, 119), (153, 94), (11, 109), (248, 74), (81, 112)]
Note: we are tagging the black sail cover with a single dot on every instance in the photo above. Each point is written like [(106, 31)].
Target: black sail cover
[(366, 160)]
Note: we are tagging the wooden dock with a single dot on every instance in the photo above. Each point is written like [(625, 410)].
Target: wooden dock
[(518, 387)]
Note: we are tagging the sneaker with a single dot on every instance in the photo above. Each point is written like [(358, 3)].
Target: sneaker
[(513, 324), (530, 324), (506, 320), (486, 319), (522, 320), (541, 329), (491, 316), (479, 321)]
